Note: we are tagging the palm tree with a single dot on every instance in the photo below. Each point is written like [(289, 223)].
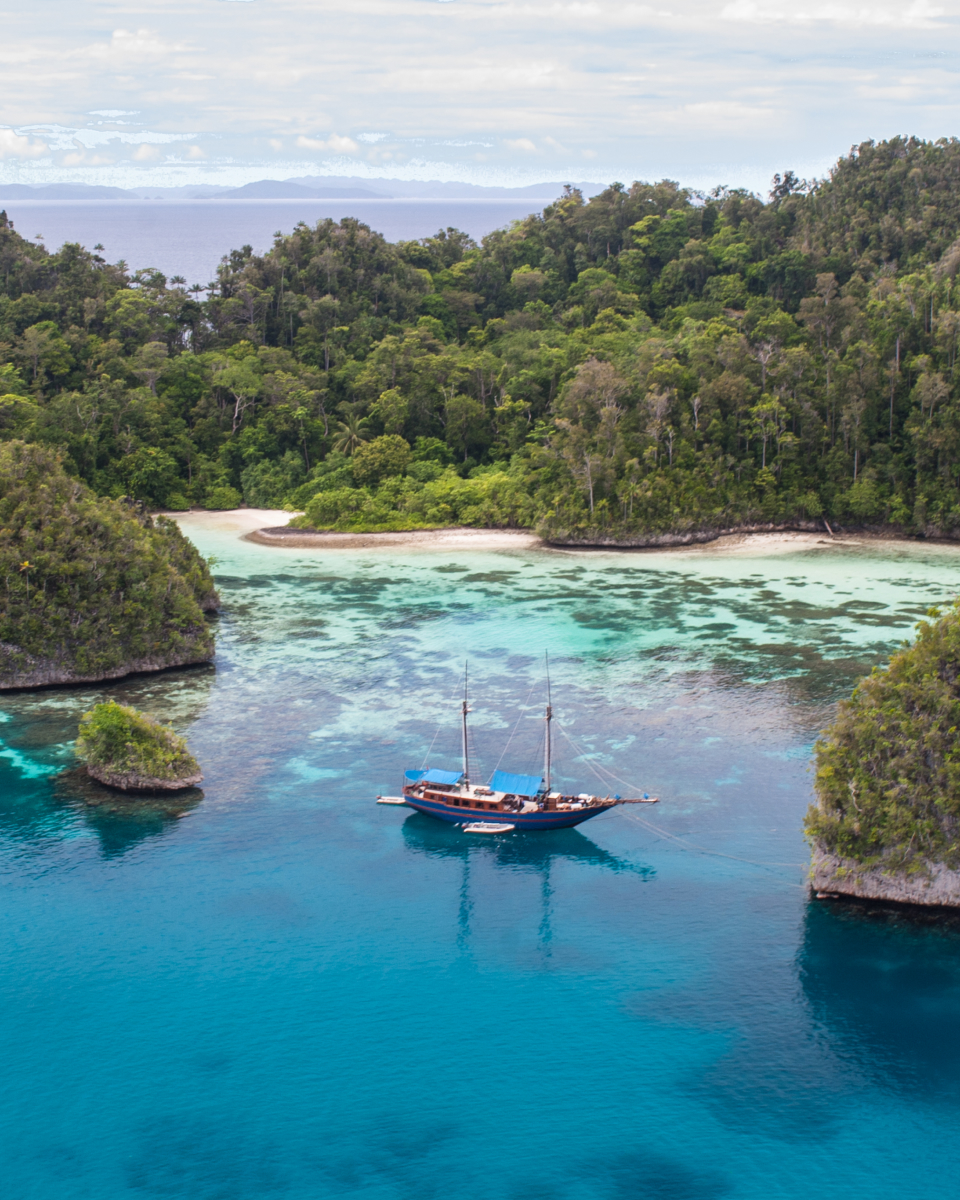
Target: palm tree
[(350, 433)]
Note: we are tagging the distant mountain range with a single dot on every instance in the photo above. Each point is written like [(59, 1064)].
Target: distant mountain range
[(288, 189), (62, 191), (307, 187)]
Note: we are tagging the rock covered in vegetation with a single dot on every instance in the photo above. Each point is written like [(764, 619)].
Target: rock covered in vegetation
[(91, 588), (887, 822), (129, 750)]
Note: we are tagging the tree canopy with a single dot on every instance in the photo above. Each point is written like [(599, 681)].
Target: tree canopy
[(644, 361), (90, 588), (888, 768)]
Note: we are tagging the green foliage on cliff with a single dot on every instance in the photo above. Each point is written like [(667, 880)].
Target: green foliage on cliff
[(118, 740), (647, 360), (89, 584), (888, 768)]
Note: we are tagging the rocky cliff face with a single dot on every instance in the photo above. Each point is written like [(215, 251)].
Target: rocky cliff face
[(21, 670), (929, 883), (133, 781)]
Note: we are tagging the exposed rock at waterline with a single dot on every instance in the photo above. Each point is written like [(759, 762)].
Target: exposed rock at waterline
[(929, 883)]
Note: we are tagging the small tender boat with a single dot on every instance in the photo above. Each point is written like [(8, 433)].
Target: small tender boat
[(508, 801)]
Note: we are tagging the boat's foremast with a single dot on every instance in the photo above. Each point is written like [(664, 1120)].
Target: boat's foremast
[(548, 717), (464, 709)]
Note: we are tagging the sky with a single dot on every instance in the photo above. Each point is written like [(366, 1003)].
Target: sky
[(504, 92)]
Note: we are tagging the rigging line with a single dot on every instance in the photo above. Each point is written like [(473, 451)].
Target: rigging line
[(475, 769), (516, 727), (691, 846), (753, 862), (582, 755), (423, 765)]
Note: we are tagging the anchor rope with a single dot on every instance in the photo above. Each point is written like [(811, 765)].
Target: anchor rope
[(682, 842)]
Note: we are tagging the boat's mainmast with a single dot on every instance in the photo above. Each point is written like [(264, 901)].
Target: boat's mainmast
[(547, 719), (464, 710)]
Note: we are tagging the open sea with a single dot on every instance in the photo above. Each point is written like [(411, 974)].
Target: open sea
[(276, 989), (189, 237)]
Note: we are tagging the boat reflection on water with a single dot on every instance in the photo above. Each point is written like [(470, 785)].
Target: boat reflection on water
[(516, 851), (527, 853), (885, 983)]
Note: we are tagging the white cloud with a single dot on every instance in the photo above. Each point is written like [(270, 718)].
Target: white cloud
[(721, 114), (339, 145), (13, 145), (60, 137), (697, 90), (918, 15), (127, 47), (146, 153)]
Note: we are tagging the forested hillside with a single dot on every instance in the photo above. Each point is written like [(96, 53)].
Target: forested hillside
[(646, 361)]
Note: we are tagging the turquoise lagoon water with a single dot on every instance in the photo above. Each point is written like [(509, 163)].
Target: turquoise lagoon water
[(276, 988)]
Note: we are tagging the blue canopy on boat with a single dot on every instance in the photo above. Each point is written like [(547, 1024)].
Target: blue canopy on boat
[(516, 785), (413, 776), (449, 777)]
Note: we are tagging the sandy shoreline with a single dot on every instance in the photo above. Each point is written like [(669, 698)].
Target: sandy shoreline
[(424, 539), (268, 527)]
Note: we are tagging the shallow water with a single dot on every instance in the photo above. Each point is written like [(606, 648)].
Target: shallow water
[(278, 989)]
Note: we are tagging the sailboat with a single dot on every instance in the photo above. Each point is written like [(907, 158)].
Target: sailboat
[(508, 801)]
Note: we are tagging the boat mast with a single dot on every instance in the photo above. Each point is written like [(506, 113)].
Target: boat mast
[(464, 710), (547, 719)]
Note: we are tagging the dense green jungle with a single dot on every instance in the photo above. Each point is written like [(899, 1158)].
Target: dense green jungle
[(888, 768), (645, 363)]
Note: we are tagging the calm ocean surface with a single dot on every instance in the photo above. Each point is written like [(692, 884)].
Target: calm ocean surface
[(293, 993), (189, 237)]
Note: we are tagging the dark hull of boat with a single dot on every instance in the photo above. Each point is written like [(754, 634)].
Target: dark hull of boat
[(533, 820)]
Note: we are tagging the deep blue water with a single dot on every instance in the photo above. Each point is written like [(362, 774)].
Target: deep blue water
[(189, 237), (279, 989)]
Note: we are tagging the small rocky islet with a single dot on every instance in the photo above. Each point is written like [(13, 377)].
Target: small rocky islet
[(886, 825), (129, 750)]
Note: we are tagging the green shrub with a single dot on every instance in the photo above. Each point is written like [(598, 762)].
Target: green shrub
[(268, 484), (222, 497), (327, 508), (116, 739), (379, 459)]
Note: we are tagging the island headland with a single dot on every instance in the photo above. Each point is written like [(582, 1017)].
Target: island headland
[(93, 588), (647, 367), (886, 825)]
